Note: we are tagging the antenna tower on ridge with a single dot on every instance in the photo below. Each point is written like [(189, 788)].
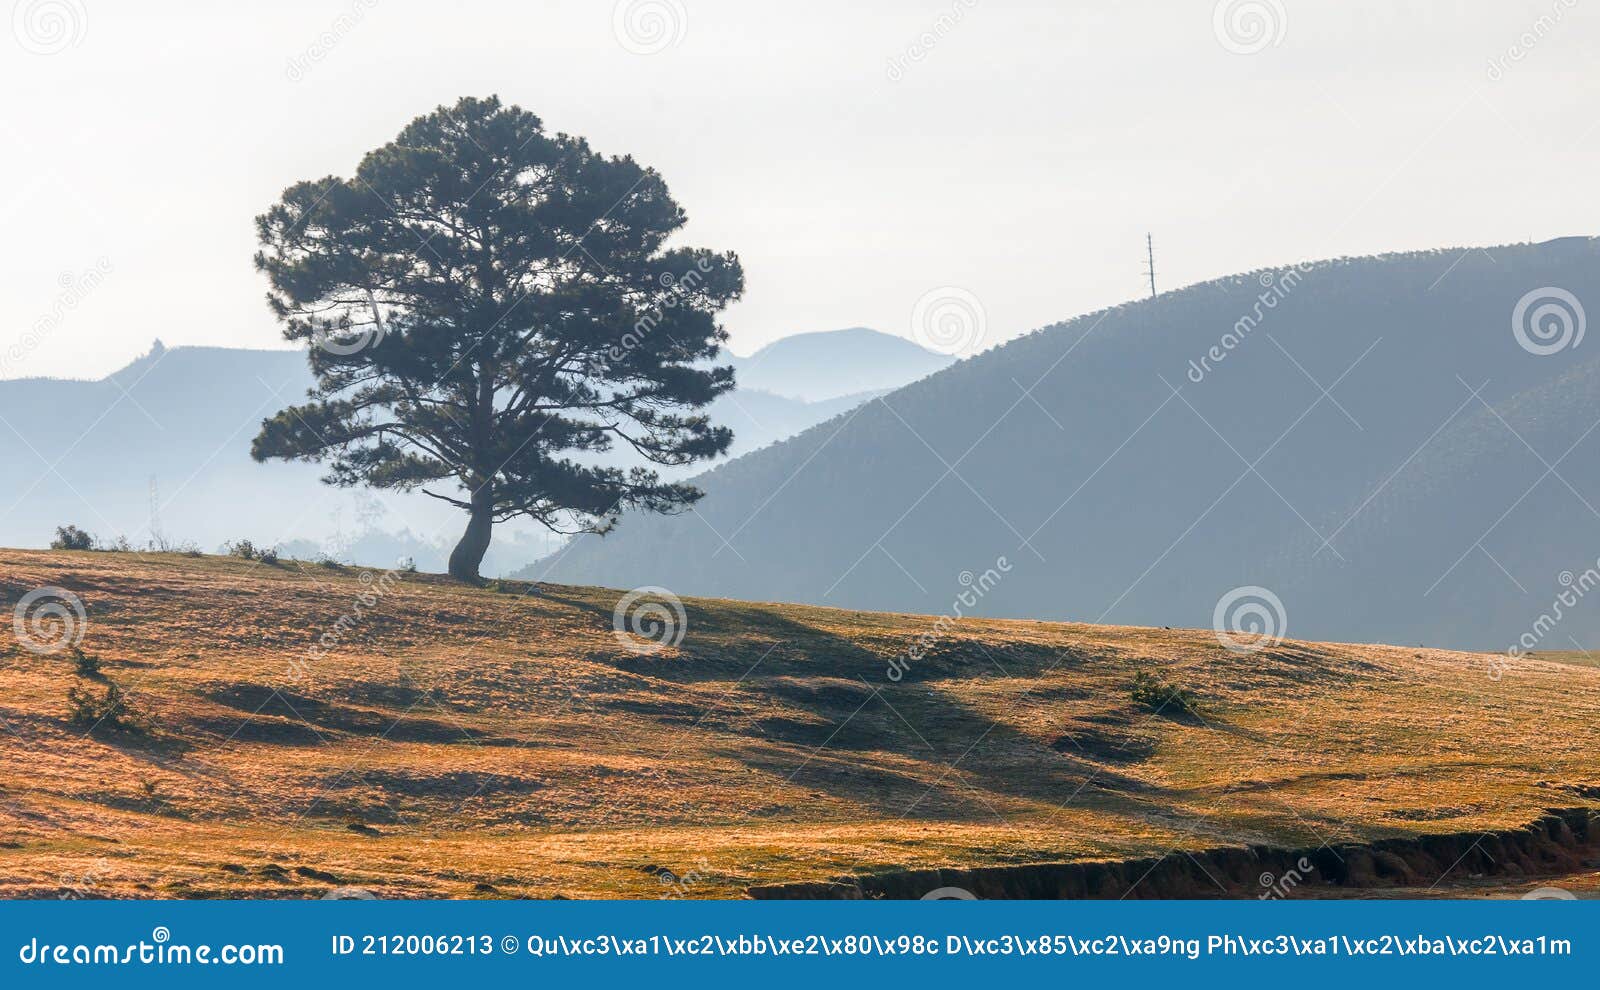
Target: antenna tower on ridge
[(1150, 263)]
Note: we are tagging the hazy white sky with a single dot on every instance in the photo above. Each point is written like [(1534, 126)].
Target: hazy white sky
[(855, 155)]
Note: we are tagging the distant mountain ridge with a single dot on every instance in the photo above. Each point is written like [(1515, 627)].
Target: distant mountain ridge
[(172, 431), (1410, 502), (836, 363)]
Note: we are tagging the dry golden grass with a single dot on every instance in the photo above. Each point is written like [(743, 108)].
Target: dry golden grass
[(463, 742), (1581, 658)]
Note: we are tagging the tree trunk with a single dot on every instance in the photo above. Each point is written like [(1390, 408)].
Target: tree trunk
[(468, 554)]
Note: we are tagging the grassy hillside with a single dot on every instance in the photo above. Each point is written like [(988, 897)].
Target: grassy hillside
[(1582, 658), (458, 742)]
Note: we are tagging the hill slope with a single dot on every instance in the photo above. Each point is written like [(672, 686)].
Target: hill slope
[(437, 740), (1137, 464)]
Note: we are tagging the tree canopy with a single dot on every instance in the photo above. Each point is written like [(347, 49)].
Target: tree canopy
[(488, 303)]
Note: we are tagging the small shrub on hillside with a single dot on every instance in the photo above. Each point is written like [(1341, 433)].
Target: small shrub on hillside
[(119, 545), (107, 710), (70, 537), (407, 565), (245, 550), (1156, 694)]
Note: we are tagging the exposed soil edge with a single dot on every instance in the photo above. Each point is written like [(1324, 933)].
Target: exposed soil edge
[(1557, 843)]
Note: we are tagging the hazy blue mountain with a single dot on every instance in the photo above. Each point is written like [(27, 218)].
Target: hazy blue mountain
[(1161, 453), (836, 363), (86, 452)]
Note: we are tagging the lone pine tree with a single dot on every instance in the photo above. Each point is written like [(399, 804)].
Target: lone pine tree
[(487, 304)]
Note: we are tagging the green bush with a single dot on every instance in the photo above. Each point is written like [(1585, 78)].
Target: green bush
[(70, 537), (245, 550), (1156, 694), (87, 709)]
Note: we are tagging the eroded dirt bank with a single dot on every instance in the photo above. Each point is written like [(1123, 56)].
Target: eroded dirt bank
[(1562, 841)]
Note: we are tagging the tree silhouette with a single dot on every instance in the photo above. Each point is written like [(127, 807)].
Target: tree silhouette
[(487, 304)]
